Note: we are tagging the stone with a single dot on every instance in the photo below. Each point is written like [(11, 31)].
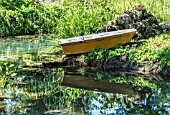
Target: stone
[(140, 18)]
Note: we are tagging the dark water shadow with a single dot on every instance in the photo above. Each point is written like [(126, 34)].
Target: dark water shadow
[(122, 82), (79, 81)]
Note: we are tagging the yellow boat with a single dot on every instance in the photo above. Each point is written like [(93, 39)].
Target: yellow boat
[(87, 43)]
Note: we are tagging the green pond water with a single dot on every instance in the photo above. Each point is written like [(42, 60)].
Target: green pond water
[(26, 89)]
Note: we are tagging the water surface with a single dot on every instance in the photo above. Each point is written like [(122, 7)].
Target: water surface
[(36, 90)]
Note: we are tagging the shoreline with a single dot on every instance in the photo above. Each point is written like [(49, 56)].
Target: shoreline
[(120, 63)]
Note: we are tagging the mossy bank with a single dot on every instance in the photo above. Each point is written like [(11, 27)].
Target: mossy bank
[(149, 56)]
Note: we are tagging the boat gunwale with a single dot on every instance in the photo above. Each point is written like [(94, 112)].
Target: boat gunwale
[(95, 36)]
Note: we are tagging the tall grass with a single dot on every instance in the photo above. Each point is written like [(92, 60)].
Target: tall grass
[(69, 18), (85, 17)]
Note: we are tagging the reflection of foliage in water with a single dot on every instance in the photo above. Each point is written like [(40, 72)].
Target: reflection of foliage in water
[(42, 93), (123, 77)]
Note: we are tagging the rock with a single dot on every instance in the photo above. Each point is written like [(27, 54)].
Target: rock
[(166, 23), (165, 26), (140, 18)]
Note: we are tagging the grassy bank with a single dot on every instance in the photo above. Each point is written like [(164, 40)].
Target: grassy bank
[(152, 55), (69, 18)]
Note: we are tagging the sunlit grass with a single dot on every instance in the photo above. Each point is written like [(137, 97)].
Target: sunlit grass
[(73, 18)]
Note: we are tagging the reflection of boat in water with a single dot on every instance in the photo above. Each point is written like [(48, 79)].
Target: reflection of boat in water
[(104, 40), (78, 81)]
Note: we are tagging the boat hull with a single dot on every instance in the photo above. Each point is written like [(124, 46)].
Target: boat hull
[(107, 42)]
